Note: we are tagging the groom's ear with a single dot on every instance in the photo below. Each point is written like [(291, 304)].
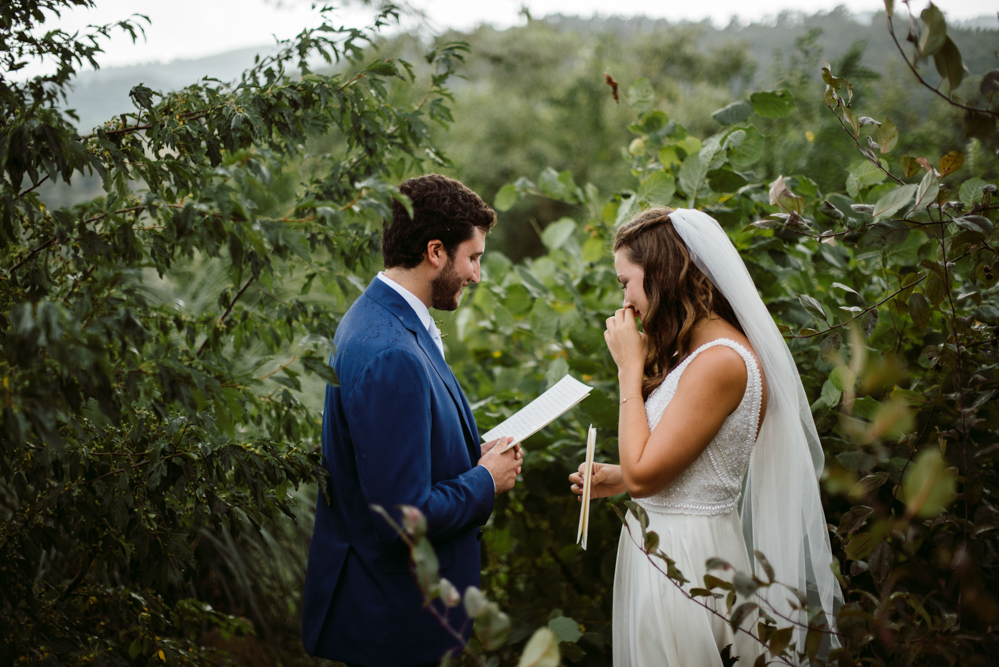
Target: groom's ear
[(436, 253)]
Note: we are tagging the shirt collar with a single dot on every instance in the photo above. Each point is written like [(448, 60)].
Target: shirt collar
[(418, 306)]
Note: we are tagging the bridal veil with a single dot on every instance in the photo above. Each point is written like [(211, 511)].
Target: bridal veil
[(781, 511)]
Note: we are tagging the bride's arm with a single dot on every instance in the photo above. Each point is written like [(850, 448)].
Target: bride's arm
[(709, 390)]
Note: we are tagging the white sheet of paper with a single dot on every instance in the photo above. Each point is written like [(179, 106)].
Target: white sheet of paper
[(541, 411), (584, 511)]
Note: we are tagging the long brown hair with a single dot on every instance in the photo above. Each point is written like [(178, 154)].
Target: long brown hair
[(678, 292)]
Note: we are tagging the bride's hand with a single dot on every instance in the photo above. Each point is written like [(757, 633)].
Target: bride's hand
[(607, 480), (626, 343)]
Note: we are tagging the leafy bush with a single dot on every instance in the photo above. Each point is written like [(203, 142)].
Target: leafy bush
[(154, 339), (885, 288)]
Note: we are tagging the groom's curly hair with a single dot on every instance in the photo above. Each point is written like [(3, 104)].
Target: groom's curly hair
[(443, 209), (678, 292)]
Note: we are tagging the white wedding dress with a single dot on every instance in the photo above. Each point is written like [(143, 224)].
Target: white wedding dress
[(696, 518)]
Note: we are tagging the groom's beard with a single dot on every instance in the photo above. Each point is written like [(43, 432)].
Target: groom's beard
[(444, 288)]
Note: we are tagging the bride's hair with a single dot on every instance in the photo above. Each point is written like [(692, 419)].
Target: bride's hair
[(678, 292)]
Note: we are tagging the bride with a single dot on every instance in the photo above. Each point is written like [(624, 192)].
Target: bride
[(716, 443)]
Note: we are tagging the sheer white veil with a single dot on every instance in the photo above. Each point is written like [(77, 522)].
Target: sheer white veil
[(781, 511)]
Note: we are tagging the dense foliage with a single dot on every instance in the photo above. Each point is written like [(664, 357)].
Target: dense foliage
[(163, 346), (883, 280), (153, 340)]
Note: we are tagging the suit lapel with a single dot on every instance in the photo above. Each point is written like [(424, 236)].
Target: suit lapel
[(390, 299)]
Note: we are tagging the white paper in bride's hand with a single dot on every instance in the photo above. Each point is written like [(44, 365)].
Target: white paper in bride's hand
[(584, 511), (541, 411)]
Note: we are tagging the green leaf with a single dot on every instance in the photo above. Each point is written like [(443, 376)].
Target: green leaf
[(322, 369), (692, 175), (531, 282), (779, 639), (550, 184), (725, 180), (557, 233), (641, 96), (734, 113), (893, 201), (972, 191), (852, 119), (774, 104), (854, 520), (544, 322), (748, 151), (870, 322), (594, 249), (541, 650), (762, 561), (910, 166), (927, 192), (813, 641), (843, 378), (869, 484), (626, 210), (712, 582), (919, 310), (860, 545), (950, 163), (507, 196), (936, 290), (863, 174), (565, 629), (934, 32), (741, 613), (929, 485), (658, 188), (880, 561), (975, 223), (949, 64), (813, 307), (887, 136)]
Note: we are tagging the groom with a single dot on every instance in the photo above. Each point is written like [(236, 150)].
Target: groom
[(398, 431)]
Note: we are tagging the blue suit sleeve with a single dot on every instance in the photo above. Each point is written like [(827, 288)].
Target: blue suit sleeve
[(390, 411)]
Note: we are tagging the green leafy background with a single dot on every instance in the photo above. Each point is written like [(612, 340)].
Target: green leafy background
[(171, 281)]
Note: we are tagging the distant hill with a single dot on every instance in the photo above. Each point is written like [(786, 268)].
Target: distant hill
[(100, 95), (775, 37)]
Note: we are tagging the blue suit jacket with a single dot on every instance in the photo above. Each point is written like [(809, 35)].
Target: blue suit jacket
[(397, 431)]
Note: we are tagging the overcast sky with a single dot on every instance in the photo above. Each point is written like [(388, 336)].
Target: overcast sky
[(196, 28)]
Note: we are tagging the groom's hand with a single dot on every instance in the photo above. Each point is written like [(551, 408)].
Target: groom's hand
[(504, 466)]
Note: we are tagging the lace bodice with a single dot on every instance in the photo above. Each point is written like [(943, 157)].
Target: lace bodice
[(713, 482)]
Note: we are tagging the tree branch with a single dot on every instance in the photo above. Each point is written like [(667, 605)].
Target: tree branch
[(863, 312), (866, 152), (44, 178), (228, 310), (920, 79), (31, 254)]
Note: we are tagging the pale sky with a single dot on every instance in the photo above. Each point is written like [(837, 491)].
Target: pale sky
[(195, 28)]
